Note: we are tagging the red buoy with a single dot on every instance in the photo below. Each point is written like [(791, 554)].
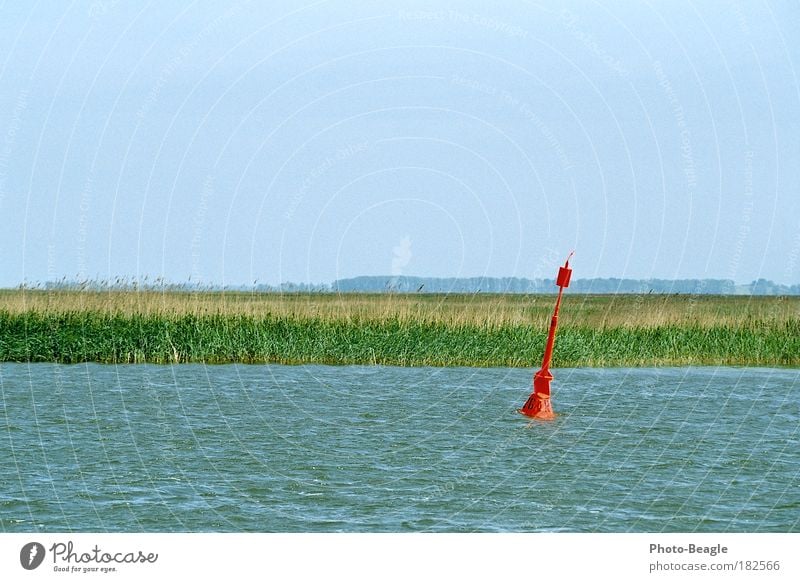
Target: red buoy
[(538, 403)]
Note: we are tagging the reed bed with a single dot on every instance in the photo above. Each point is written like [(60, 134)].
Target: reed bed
[(406, 330)]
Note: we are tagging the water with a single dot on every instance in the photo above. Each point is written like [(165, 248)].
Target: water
[(315, 448)]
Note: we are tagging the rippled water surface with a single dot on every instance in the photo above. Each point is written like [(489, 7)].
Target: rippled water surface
[(316, 448)]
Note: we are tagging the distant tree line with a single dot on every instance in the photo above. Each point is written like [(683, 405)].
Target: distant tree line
[(404, 284), (520, 285)]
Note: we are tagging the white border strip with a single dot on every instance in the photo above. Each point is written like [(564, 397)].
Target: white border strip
[(551, 556)]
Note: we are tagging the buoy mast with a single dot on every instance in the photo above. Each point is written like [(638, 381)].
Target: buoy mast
[(538, 404)]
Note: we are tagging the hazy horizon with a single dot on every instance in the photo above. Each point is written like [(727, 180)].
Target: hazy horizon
[(578, 284)]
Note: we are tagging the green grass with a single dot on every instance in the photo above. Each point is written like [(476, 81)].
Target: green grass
[(415, 332)]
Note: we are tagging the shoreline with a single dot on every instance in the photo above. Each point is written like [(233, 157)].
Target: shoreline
[(216, 339), (397, 330)]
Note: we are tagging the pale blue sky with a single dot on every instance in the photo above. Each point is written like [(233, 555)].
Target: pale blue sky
[(309, 141)]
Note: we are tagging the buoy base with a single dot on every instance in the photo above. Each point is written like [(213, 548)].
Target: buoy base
[(538, 407), (538, 403)]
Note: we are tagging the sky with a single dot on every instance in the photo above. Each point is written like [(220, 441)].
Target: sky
[(232, 143)]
